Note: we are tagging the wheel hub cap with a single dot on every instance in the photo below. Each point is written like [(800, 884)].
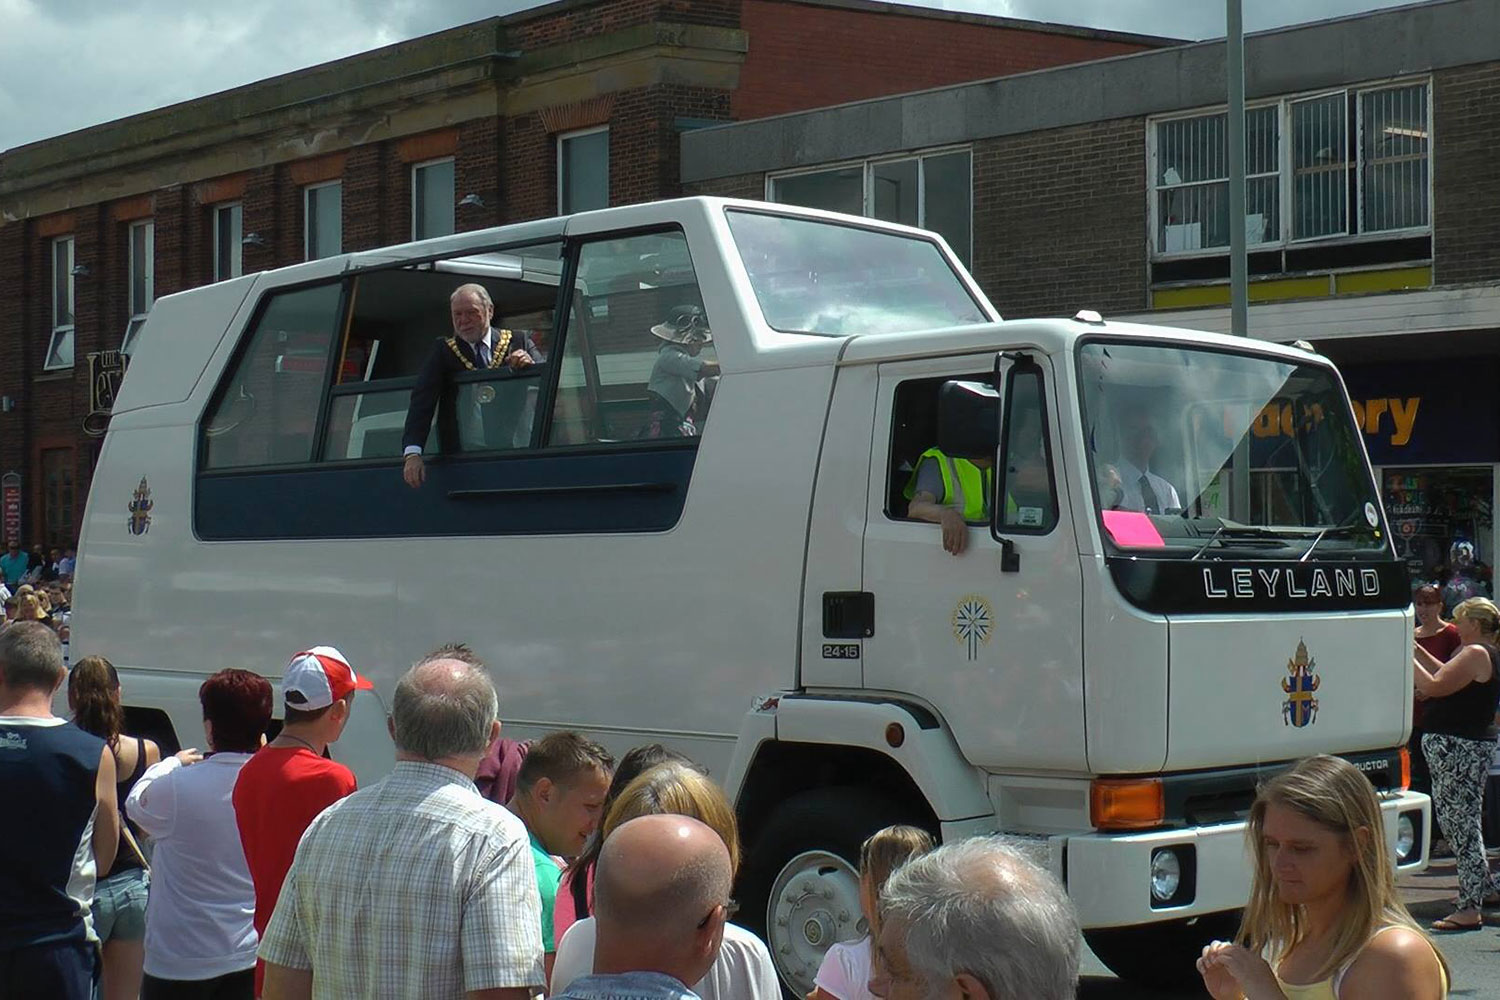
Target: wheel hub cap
[(814, 903)]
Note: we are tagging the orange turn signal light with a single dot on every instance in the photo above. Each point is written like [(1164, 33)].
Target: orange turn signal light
[(1405, 769), (1127, 803)]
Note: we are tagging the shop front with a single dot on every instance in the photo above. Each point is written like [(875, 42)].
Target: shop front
[(1433, 435)]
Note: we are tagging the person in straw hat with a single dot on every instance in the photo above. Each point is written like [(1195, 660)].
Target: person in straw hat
[(678, 403)]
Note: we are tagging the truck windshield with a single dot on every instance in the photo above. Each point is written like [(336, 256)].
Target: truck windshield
[(1195, 451), (812, 276)]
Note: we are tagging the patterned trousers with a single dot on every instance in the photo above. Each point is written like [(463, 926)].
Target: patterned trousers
[(1459, 769)]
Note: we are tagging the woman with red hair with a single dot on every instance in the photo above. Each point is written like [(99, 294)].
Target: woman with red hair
[(200, 940)]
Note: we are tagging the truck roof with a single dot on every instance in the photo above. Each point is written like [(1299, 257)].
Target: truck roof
[(1049, 335), (840, 330)]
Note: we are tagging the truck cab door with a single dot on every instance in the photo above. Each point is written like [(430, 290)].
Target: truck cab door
[(993, 643)]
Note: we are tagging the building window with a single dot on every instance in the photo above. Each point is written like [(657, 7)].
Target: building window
[(931, 190), (841, 189), (432, 199), (1320, 168), (1193, 188), (228, 224), (141, 254), (1394, 146), (60, 346), (57, 497), (323, 220), (1350, 163), (583, 170)]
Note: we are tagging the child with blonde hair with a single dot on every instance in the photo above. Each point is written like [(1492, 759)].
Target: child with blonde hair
[(845, 972)]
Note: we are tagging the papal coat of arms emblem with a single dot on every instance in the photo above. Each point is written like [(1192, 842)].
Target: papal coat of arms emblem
[(140, 509), (1300, 708)]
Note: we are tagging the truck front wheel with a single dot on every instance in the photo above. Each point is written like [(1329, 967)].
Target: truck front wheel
[(1161, 956), (800, 889)]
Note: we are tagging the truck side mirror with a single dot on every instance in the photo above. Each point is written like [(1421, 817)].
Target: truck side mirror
[(968, 423)]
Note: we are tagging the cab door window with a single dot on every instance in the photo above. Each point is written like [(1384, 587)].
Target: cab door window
[(915, 461), (1024, 488), (267, 411), (638, 360)]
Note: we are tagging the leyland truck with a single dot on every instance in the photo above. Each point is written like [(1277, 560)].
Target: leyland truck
[(1178, 578)]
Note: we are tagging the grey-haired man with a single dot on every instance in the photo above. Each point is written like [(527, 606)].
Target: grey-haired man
[(417, 886), (975, 920), (474, 346)]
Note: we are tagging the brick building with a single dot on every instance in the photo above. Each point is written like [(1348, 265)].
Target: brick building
[(1372, 215), (569, 106)]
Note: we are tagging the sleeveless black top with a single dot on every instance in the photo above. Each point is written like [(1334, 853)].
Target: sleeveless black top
[(1469, 712), (125, 858)]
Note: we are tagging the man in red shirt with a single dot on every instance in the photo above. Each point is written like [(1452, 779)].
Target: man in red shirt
[(289, 781)]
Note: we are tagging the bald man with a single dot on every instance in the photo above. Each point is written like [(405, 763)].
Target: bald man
[(661, 900), (474, 346)]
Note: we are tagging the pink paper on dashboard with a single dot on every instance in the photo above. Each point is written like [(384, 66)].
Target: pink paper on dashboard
[(1132, 530)]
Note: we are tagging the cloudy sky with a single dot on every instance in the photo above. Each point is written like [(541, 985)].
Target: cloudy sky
[(68, 64)]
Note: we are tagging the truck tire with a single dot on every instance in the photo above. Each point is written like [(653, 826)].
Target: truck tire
[(800, 888), (1161, 956)]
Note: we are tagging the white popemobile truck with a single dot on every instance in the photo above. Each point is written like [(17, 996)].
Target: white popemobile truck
[(1179, 577)]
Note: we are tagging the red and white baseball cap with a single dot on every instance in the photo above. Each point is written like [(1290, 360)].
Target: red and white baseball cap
[(316, 678)]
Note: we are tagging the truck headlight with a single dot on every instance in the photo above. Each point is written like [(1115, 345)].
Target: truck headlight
[(1406, 837), (1166, 874)]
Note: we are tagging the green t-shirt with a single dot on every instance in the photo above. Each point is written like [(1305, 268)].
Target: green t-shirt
[(548, 875)]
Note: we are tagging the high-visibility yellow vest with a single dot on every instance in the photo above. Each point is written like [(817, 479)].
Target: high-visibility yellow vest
[(965, 485)]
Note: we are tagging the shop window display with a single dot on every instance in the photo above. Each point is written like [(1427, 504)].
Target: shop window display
[(1443, 520)]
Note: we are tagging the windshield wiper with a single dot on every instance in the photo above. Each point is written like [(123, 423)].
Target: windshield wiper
[(1234, 531), (1343, 529)]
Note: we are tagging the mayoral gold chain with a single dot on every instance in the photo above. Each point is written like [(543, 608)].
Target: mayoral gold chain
[(486, 393)]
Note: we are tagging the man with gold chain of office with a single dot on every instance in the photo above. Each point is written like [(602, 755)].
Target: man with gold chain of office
[(466, 416)]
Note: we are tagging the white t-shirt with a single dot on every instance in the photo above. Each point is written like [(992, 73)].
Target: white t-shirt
[(202, 903), (845, 972), (743, 970)]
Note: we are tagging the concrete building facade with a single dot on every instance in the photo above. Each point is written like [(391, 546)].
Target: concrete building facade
[(569, 106), (1372, 215)]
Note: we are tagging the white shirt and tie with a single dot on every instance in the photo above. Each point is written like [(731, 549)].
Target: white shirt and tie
[(1142, 490), (482, 351)]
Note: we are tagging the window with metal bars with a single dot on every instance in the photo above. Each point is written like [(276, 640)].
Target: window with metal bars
[(1344, 164)]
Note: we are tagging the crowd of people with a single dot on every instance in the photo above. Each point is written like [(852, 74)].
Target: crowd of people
[(37, 587), (481, 867)]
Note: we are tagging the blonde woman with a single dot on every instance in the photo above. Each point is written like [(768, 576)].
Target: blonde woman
[(743, 970), (1458, 741), (1324, 920), (29, 609)]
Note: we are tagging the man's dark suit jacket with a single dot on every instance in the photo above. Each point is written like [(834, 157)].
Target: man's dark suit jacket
[(428, 396)]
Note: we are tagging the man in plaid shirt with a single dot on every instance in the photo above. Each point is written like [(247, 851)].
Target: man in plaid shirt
[(416, 886)]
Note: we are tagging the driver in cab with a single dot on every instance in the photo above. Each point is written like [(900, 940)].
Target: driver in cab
[(1130, 484), (475, 345), (952, 493)]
